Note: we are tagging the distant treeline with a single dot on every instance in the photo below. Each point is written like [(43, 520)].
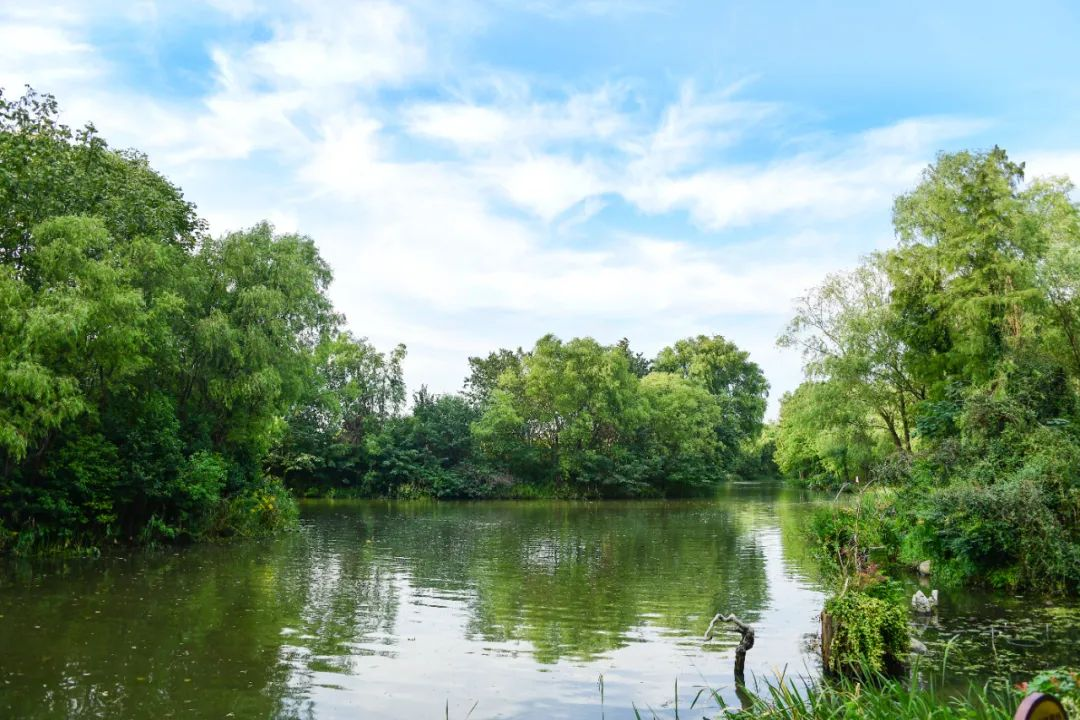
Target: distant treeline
[(564, 419), (157, 383), (946, 372)]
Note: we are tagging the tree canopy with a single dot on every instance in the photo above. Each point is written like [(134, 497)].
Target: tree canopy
[(948, 366)]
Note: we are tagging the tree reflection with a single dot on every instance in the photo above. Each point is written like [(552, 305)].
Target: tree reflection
[(263, 629)]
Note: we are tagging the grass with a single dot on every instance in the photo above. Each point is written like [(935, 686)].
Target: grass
[(872, 698), (879, 698)]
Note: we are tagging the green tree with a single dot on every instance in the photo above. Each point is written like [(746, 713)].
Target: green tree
[(563, 417), (846, 329), (484, 373), (145, 369), (728, 373), (960, 347), (681, 446), (826, 435), (963, 276), (48, 170)]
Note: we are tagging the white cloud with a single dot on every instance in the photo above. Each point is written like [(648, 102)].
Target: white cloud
[(515, 120), (339, 45), (462, 124), (863, 175), (696, 124), (1051, 164), (489, 239), (547, 186), (44, 55)]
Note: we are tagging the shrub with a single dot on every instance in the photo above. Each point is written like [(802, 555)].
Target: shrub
[(262, 509), (1005, 535), (1064, 684), (198, 487), (869, 634), (844, 537)]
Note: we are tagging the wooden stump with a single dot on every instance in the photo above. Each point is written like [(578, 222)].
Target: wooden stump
[(828, 630)]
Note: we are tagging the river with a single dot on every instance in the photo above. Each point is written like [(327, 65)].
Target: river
[(483, 610)]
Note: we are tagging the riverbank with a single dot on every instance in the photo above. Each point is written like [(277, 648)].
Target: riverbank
[(506, 488), (259, 511)]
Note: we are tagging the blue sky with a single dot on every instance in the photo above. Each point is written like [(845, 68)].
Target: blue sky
[(481, 173)]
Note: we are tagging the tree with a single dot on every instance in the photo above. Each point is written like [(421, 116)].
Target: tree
[(963, 276), (728, 373), (484, 373), (146, 369), (826, 435), (562, 418), (48, 170), (639, 364), (680, 437), (846, 329), (960, 347), (352, 392)]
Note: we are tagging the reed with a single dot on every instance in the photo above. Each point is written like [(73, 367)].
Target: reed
[(874, 696)]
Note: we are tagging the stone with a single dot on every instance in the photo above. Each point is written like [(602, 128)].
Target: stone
[(918, 647), (924, 567), (923, 605)]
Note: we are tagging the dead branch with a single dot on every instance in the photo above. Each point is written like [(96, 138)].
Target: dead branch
[(745, 643)]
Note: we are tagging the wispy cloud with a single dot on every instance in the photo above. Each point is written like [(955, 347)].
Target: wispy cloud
[(465, 204)]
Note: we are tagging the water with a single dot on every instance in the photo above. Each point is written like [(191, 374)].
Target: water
[(420, 610)]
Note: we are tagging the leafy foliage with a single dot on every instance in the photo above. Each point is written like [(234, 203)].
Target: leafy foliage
[(154, 379), (948, 367), (590, 420), (871, 633), (1062, 683), (144, 367)]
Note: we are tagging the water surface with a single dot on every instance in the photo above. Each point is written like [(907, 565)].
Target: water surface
[(419, 610)]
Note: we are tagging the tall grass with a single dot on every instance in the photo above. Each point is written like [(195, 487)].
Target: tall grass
[(873, 697), (879, 697)]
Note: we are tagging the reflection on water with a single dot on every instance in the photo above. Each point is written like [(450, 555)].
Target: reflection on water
[(380, 609)]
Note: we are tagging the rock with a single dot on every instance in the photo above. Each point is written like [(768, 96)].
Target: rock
[(924, 567), (917, 647), (924, 605)]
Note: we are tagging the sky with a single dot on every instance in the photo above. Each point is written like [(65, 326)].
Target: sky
[(481, 173)]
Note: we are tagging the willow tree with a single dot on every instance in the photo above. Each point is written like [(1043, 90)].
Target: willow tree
[(846, 329), (145, 368), (563, 414)]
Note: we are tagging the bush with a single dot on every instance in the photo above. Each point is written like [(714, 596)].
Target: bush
[(263, 509), (869, 634), (1062, 683), (846, 538), (460, 482), (198, 487), (1006, 535)]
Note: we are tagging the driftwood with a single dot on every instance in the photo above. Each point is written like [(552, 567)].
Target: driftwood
[(745, 643)]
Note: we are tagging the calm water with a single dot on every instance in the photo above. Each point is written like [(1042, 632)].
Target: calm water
[(414, 610)]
